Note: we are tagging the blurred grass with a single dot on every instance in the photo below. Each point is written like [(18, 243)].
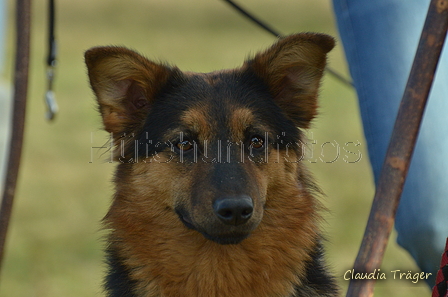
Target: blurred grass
[(54, 246)]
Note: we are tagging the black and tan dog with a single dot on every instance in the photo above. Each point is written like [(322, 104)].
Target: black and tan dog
[(211, 197)]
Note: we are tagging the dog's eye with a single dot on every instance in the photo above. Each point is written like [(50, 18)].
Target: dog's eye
[(184, 145), (256, 141)]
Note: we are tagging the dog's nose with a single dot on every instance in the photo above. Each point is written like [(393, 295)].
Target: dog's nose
[(234, 210)]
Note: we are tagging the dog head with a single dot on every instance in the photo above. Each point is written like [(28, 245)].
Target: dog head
[(207, 149)]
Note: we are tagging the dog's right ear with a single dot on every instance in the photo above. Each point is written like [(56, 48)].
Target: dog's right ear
[(125, 84)]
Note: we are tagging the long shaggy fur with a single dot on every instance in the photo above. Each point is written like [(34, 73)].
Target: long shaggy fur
[(186, 141)]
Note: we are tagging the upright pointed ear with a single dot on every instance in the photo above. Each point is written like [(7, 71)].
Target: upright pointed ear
[(292, 68), (125, 84)]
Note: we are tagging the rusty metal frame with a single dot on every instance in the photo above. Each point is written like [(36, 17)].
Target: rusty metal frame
[(401, 147), (23, 21)]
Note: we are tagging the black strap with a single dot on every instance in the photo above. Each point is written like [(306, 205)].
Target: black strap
[(51, 59), (52, 106), (278, 34), (254, 19)]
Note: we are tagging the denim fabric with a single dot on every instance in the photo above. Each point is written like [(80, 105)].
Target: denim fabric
[(380, 39)]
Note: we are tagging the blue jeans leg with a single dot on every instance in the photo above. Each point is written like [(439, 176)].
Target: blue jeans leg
[(380, 39)]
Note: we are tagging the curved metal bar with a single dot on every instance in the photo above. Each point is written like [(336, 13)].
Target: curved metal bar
[(401, 147), (23, 17)]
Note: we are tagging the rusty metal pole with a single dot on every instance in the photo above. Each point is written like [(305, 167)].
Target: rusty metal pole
[(23, 16), (401, 146)]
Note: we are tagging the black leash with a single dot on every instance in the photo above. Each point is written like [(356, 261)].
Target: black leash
[(277, 34), (254, 19), (52, 106)]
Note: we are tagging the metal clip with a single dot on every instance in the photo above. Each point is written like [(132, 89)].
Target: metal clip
[(50, 100)]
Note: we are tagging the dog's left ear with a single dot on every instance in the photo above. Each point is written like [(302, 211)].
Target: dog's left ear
[(292, 68)]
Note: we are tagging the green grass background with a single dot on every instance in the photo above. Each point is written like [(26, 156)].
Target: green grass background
[(54, 245)]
